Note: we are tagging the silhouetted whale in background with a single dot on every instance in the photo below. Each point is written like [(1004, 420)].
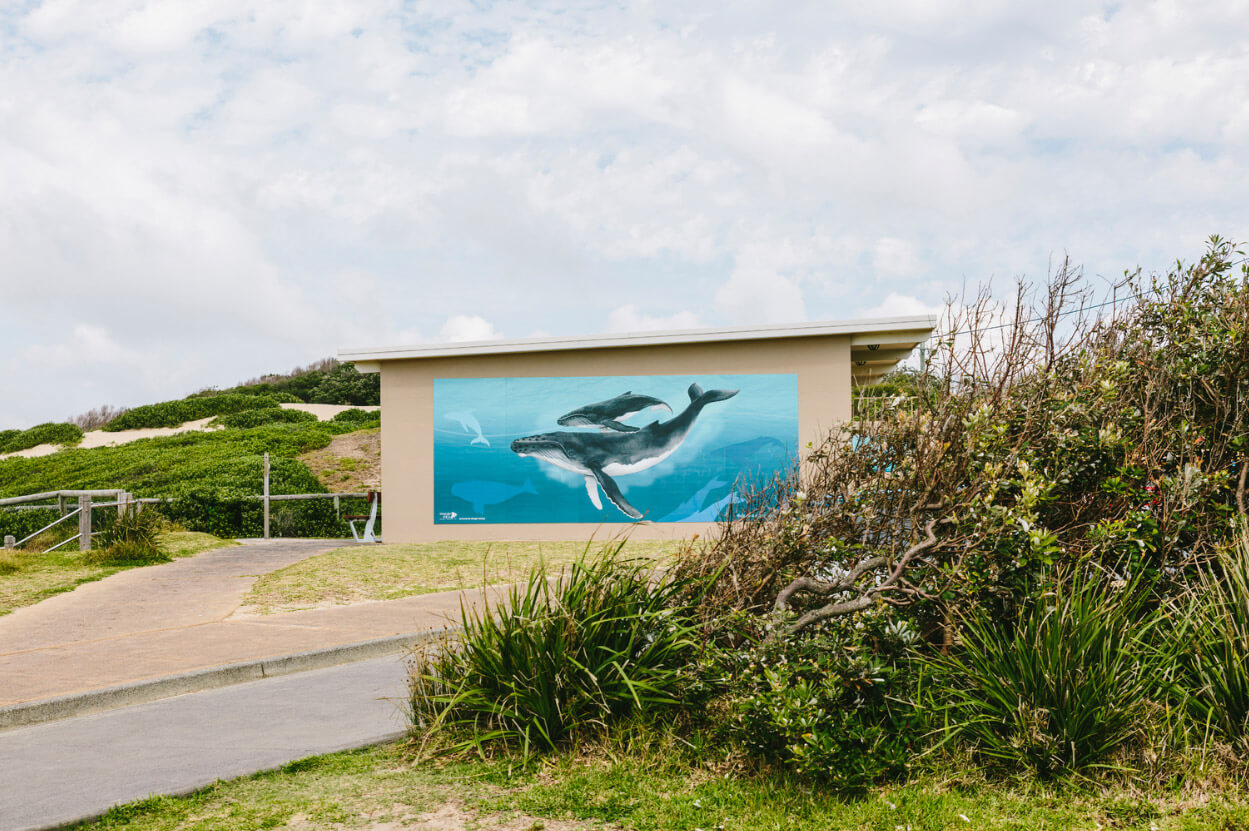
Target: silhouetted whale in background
[(600, 456), (605, 414), (471, 425)]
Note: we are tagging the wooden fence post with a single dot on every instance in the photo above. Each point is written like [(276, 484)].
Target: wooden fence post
[(84, 523), (60, 503), (266, 496)]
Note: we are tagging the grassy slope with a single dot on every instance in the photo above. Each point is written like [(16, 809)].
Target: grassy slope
[(654, 784), (386, 572), (153, 467), (36, 576)]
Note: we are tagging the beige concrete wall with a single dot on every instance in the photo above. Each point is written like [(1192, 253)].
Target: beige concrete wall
[(822, 365)]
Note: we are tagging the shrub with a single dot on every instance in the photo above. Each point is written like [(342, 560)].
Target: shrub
[(1057, 438), (259, 418), (50, 433), (22, 524), (1065, 687), (174, 413), (560, 660), (836, 705), (356, 417)]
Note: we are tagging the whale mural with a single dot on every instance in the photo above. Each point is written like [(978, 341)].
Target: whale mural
[(666, 466)]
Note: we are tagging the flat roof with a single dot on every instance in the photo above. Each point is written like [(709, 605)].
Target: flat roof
[(905, 332)]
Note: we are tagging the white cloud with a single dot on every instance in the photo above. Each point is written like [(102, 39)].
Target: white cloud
[(893, 257), (900, 305), (87, 346), (467, 328), (239, 188), (759, 296), (629, 318)]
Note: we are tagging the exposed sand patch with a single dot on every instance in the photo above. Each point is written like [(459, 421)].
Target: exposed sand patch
[(327, 411), (350, 463)]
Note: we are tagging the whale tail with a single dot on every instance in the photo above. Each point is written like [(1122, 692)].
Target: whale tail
[(701, 398), (481, 441)]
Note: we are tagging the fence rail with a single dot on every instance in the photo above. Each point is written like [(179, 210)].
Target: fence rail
[(84, 504)]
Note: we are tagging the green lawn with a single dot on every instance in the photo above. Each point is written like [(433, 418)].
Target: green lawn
[(385, 572), (652, 783), (26, 577)]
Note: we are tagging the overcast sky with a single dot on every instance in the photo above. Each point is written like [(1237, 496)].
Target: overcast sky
[(195, 192)]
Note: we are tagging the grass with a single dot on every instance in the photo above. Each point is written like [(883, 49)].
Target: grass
[(33, 576), (652, 781), (386, 572)]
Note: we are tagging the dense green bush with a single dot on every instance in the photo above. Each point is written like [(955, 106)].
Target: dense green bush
[(23, 523), (174, 413), (357, 417), (560, 660), (1118, 441), (261, 417), (838, 706), (12, 441), (340, 383)]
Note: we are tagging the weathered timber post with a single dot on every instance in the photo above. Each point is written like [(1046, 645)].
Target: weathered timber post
[(123, 502), (84, 523), (10, 541), (266, 496), (338, 509), (61, 503)]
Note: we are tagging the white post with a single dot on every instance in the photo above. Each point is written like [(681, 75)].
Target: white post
[(84, 523), (10, 541), (266, 496)]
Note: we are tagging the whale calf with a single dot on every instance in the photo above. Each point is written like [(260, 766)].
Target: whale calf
[(471, 425), (600, 456), (607, 414)]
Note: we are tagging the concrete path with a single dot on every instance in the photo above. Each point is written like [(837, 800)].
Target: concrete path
[(155, 622), (55, 773), (146, 627)]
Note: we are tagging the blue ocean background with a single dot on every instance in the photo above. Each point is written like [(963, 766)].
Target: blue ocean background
[(733, 444)]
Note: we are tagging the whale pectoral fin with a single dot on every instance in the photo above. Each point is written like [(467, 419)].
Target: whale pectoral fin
[(618, 427), (591, 489), (612, 490)]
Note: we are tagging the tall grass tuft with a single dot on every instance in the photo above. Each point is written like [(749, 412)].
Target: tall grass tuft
[(130, 540), (1212, 646), (560, 658), (1063, 688)]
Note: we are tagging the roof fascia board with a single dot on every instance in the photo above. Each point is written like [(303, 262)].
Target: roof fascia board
[(887, 330)]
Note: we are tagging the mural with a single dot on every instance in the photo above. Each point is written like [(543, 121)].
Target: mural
[(668, 448)]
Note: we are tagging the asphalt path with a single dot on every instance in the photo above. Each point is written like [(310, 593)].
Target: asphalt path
[(56, 773)]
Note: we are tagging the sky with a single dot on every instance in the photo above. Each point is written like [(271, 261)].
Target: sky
[(197, 192)]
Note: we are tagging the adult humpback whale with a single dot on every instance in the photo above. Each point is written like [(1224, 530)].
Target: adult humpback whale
[(600, 456), (606, 414)]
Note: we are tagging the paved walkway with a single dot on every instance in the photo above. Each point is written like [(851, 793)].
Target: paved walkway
[(56, 773), (178, 617), (139, 626)]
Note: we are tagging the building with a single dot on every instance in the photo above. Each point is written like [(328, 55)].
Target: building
[(654, 433)]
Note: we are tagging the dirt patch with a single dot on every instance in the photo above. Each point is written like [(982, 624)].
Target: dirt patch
[(351, 463), (452, 816)]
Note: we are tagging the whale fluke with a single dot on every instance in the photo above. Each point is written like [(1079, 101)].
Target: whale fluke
[(697, 396)]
